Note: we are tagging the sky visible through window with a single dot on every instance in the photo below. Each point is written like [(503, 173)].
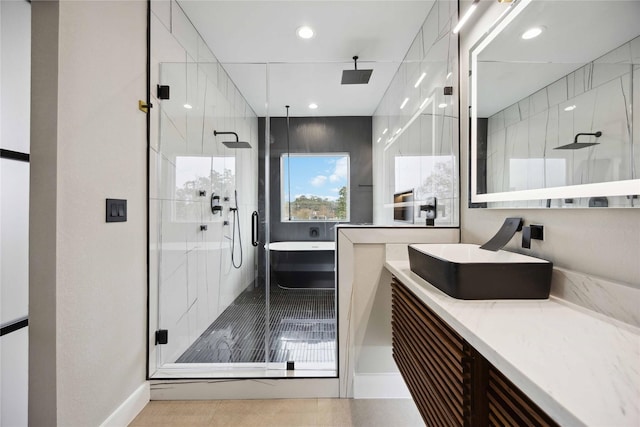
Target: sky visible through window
[(315, 175), (318, 189)]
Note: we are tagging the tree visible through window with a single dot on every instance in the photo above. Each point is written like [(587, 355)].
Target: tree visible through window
[(315, 187)]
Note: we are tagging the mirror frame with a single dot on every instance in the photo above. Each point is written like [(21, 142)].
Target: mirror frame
[(612, 188)]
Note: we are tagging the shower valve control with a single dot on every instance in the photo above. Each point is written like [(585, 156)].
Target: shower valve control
[(215, 204)]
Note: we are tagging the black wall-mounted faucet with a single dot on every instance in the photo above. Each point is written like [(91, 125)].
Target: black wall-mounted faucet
[(430, 206), (535, 232), (506, 232)]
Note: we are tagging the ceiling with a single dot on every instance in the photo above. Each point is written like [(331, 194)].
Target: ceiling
[(576, 32), (245, 35)]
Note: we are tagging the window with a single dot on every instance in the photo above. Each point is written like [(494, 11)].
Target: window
[(315, 187), (199, 173)]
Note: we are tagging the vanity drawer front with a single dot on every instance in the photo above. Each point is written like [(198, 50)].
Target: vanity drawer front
[(508, 406), (433, 359)]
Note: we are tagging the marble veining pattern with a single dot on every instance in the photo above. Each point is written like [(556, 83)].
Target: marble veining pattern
[(191, 275), (579, 368), (620, 302), (598, 96)]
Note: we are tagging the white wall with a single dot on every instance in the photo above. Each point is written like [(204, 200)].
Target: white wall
[(15, 59), (599, 242), (87, 277), (192, 279), (365, 353)]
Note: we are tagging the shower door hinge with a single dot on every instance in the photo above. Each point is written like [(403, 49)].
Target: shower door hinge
[(144, 107), (162, 336), (163, 92)]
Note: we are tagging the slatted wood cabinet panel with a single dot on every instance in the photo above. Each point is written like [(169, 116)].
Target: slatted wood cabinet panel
[(451, 383), (508, 406)]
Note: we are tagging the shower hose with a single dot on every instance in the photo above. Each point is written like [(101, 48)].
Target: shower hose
[(236, 224)]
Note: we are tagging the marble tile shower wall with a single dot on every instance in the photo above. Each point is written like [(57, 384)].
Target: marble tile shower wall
[(416, 146), (191, 269), (600, 96)]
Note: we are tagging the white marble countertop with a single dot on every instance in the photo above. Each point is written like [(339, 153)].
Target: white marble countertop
[(579, 367)]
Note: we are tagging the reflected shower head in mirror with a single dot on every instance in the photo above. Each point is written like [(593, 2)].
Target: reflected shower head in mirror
[(232, 144), (575, 145), (356, 77)]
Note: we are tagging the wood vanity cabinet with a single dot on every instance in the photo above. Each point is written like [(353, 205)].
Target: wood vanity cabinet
[(451, 383)]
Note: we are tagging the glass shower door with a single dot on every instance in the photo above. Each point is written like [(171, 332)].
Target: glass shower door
[(221, 311), (204, 191)]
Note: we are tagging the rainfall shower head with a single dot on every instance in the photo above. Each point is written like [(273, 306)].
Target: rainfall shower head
[(232, 144), (356, 77), (575, 145)]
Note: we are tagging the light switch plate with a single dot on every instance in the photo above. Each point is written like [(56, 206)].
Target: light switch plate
[(116, 210)]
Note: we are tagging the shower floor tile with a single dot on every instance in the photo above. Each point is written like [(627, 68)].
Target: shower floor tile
[(302, 328)]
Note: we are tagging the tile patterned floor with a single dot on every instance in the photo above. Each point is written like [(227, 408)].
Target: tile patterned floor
[(302, 329), (280, 413)]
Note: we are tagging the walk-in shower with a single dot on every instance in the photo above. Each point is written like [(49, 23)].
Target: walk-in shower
[(223, 315)]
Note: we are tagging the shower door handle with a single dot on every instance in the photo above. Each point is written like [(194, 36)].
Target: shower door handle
[(255, 231)]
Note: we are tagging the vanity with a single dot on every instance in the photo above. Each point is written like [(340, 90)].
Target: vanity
[(511, 362)]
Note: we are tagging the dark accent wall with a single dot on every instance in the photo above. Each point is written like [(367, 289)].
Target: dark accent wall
[(318, 135), (481, 171)]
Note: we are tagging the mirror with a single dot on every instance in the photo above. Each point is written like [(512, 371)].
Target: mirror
[(555, 118)]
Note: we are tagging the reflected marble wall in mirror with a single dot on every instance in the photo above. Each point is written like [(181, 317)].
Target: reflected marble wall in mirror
[(553, 121)]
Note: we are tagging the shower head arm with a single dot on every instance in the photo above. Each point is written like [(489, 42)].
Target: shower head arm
[(596, 134), (216, 133)]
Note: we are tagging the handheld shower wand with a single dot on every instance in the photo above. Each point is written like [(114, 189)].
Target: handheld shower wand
[(236, 224)]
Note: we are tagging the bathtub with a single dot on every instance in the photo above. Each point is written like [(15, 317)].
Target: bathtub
[(303, 265)]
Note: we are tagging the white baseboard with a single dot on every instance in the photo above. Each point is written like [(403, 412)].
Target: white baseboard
[(130, 408), (287, 388), (380, 386)]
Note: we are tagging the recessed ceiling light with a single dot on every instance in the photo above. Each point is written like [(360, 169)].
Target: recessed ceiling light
[(385, 131), (304, 32), (404, 103), (398, 131), (187, 106), (449, 75), (313, 105), (424, 103), (442, 105), (379, 139), (420, 80), (532, 32), (570, 108)]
